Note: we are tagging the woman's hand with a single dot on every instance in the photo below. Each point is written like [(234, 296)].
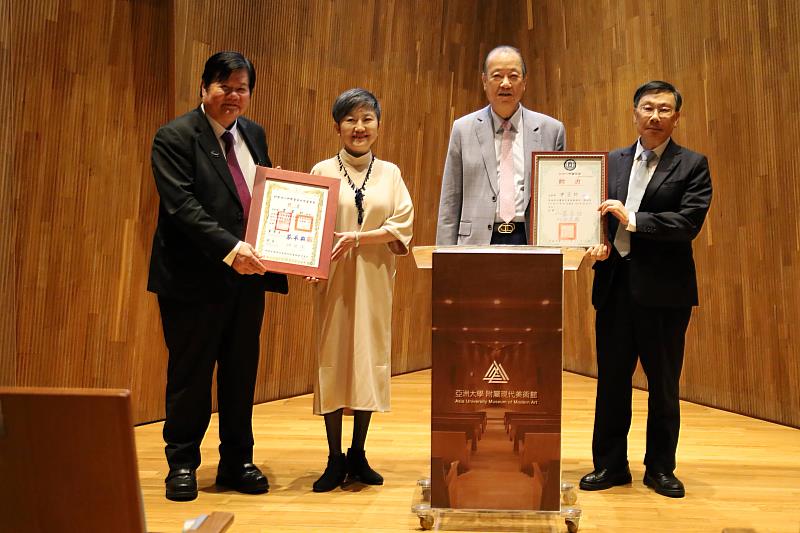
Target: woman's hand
[(345, 242), (312, 280)]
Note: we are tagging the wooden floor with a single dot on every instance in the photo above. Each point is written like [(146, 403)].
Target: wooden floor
[(739, 473)]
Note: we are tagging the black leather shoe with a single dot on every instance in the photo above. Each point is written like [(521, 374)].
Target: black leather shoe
[(334, 474), (664, 484), (246, 478), (358, 469), (181, 485), (605, 479)]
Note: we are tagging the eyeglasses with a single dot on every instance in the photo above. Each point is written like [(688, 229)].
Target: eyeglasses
[(663, 111)]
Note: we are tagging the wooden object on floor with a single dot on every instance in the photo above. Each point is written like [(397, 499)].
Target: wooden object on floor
[(68, 461), (217, 522)]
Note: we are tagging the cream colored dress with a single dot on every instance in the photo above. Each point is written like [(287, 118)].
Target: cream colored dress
[(353, 308)]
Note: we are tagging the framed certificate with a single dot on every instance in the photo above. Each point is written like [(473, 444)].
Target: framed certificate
[(568, 187), (291, 222)]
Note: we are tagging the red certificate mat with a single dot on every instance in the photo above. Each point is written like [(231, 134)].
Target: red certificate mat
[(291, 222)]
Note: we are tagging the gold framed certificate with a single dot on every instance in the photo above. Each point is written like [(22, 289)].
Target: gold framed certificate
[(568, 187), (291, 221)]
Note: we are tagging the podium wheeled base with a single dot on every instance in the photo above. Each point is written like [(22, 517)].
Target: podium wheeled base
[(432, 518)]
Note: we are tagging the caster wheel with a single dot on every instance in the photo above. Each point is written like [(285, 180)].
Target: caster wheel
[(426, 522), (572, 525)]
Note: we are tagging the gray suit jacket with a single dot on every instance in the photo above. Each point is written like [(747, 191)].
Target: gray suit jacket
[(468, 202)]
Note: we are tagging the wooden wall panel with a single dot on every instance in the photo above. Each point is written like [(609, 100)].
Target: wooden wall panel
[(737, 64), (8, 320), (89, 93)]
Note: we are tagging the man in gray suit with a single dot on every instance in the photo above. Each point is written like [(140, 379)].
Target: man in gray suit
[(486, 187)]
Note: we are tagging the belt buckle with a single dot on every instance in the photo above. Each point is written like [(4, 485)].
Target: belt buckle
[(505, 227)]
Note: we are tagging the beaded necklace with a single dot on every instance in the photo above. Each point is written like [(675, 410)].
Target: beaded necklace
[(359, 191)]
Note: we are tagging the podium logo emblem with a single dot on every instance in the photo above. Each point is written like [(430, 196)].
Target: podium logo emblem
[(496, 374)]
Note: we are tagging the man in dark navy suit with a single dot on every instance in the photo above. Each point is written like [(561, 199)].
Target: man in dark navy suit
[(644, 289), (210, 284)]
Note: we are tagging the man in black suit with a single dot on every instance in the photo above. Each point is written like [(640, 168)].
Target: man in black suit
[(644, 289), (210, 284)]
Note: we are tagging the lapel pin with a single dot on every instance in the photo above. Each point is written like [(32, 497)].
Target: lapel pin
[(214, 153)]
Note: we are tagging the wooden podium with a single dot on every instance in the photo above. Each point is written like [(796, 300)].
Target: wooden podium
[(68, 463), (496, 376)]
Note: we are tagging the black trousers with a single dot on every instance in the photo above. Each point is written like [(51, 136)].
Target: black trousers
[(626, 331), (198, 336)]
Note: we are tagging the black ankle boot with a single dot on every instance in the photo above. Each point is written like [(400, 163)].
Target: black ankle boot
[(358, 468), (334, 474)]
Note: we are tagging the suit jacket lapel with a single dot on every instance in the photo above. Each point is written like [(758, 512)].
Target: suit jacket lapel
[(484, 130), (669, 160), (531, 141), (623, 178), (244, 129), (618, 185), (211, 147)]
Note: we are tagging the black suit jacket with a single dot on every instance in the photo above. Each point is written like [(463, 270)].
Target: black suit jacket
[(674, 206), (200, 217)]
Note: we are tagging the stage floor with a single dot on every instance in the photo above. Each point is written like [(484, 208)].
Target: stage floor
[(739, 472)]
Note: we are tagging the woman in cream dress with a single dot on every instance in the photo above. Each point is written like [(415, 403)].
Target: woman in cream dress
[(353, 308)]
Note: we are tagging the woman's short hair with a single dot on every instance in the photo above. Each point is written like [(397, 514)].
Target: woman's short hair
[(353, 99)]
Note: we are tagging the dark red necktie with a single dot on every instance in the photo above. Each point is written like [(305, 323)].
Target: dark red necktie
[(236, 172)]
